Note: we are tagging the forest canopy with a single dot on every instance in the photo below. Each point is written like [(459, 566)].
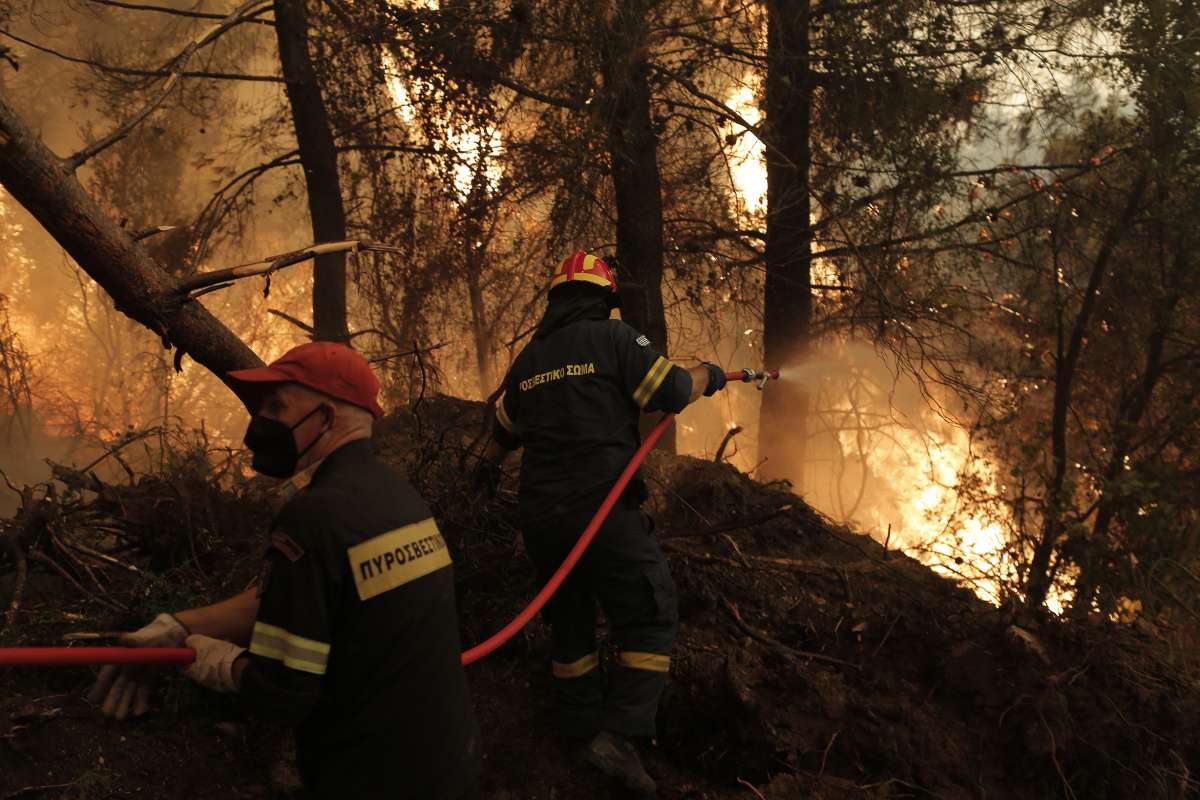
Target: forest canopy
[(965, 232)]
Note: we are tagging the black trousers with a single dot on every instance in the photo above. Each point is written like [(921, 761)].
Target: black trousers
[(625, 572)]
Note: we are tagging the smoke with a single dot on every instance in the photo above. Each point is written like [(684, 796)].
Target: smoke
[(877, 452), (96, 377)]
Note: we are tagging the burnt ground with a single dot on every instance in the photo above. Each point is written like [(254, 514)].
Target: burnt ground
[(812, 662)]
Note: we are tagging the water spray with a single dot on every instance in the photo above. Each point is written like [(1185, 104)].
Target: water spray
[(84, 656)]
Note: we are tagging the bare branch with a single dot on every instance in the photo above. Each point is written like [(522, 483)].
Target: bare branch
[(147, 73), (153, 230), (968, 219), (179, 62), (192, 286), (414, 352), (729, 434), (299, 323), (178, 12), (530, 92)]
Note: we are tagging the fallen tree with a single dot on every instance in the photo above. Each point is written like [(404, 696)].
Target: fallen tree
[(46, 186)]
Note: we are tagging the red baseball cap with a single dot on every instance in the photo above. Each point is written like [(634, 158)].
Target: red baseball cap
[(327, 367)]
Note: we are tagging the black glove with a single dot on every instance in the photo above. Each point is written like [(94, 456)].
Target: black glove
[(716, 378), (486, 478)]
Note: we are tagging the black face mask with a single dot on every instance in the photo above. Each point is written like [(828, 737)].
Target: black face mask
[(274, 446)]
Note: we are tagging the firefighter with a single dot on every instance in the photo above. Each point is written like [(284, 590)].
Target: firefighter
[(350, 632), (573, 400)]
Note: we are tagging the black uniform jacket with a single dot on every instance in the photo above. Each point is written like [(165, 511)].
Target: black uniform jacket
[(356, 641), (573, 400)]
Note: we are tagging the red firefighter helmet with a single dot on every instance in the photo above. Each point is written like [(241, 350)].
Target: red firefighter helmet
[(579, 266)]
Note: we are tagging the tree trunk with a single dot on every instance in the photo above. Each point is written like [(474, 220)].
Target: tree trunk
[(318, 157), (787, 299), (140, 288), (1039, 578), (637, 183), (473, 258), (1135, 402)]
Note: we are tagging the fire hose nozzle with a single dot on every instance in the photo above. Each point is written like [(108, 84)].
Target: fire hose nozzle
[(752, 375)]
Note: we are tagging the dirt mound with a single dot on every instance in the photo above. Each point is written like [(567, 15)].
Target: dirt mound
[(812, 662)]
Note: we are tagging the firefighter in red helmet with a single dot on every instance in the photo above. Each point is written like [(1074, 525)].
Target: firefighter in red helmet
[(572, 400)]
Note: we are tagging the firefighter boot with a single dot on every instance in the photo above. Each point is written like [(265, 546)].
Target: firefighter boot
[(616, 757)]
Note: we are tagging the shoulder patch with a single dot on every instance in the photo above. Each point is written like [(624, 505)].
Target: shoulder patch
[(286, 545), (643, 341)]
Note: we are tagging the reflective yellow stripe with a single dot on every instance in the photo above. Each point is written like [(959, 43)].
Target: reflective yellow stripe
[(299, 641), (503, 417), (296, 652), (652, 381), (576, 668), (648, 661)]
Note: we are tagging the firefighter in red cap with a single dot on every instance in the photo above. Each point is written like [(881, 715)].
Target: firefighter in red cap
[(350, 632), (573, 399)]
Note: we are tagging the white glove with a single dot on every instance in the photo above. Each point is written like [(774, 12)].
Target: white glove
[(125, 688), (213, 667)]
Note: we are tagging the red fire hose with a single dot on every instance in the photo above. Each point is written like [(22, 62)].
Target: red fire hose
[(84, 656), (521, 620), (79, 656)]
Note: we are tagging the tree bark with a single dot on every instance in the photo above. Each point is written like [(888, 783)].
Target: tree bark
[(637, 183), (141, 289), (318, 157), (787, 298)]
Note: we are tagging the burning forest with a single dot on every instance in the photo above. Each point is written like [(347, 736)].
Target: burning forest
[(553, 399)]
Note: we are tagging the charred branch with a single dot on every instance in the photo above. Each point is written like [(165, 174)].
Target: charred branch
[(725, 440)]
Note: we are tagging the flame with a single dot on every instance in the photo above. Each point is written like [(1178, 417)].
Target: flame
[(921, 470), (746, 166), (97, 374), (473, 149), (918, 470)]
